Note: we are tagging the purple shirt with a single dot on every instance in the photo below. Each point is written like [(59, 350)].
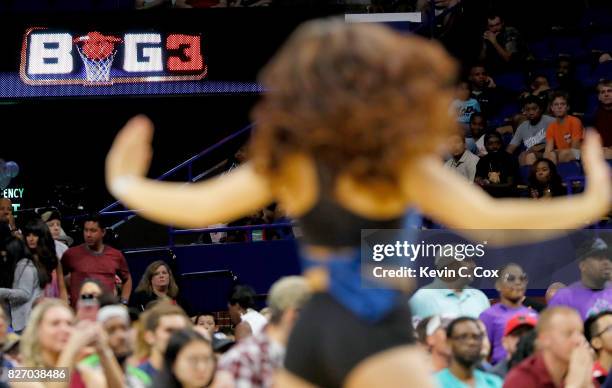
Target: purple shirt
[(495, 319), (583, 299)]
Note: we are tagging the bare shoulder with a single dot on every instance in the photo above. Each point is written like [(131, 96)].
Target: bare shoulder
[(404, 366)]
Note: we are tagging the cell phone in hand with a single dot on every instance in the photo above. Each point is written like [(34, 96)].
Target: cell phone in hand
[(87, 309)]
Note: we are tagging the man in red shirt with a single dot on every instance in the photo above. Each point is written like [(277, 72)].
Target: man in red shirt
[(563, 358), (94, 259)]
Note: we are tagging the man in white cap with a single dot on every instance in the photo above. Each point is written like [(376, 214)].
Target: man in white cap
[(112, 349)]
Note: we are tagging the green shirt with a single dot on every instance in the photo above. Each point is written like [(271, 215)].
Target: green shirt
[(446, 379), (135, 378)]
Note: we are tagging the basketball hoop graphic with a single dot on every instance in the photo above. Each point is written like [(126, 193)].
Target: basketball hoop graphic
[(97, 52)]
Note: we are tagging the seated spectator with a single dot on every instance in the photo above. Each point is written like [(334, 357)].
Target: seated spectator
[(598, 333), (516, 328), (90, 288), (44, 250), (564, 135), (156, 283), (539, 87), (568, 83), (465, 105), (502, 46), (478, 128), (87, 305), (603, 115), (544, 180), (561, 359), (54, 222), (525, 348), (159, 323), (465, 341), (5, 364), (431, 333), (51, 340), (590, 292), (7, 220), (531, 133), (188, 361), (475, 142), (462, 161), (551, 291), (497, 171), (94, 259), (207, 321), (247, 320), (485, 91), (511, 285), (28, 279), (257, 358), (449, 296), (485, 349), (108, 367)]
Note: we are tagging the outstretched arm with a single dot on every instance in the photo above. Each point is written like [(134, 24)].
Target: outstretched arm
[(236, 194), (457, 204)]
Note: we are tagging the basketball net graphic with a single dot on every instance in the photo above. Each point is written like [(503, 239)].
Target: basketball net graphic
[(97, 52)]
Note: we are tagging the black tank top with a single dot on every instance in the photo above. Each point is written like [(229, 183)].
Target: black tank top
[(328, 341), (328, 224)]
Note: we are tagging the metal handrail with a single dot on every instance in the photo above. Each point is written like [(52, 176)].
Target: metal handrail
[(234, 228), (189, 162)]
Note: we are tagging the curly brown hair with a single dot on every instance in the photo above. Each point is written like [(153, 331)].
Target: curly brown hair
[(358, 98)]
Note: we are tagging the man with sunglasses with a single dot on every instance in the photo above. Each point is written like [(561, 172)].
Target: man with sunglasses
[(598, 332), (592, 291), (511, 285), (465, 338)]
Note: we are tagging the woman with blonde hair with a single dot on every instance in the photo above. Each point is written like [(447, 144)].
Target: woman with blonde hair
[(51, 340), (348, 138), (156, 283)]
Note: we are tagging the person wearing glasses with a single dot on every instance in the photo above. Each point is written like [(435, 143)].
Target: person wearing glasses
[(592, 292), (511, 285), (598, 332), (465, 338)]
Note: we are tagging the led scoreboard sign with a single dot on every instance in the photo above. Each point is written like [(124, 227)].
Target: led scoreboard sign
[(54, 57)]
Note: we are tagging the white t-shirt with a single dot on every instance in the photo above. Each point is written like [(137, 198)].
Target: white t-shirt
[(60, 248), (255, 320)]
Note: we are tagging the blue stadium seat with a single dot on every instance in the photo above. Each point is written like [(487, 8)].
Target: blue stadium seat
[(568, 45), (596, 18), (603, 70), (583, 71), (524, 172), (541, 49), (570, 170), (591, 105), (514, 82), (600, 42)]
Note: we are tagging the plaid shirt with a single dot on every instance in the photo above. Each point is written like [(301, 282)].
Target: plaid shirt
[(253, 361)]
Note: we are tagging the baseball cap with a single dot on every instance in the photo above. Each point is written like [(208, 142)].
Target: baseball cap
[(50, 215), (595, 248), (519, 320)]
